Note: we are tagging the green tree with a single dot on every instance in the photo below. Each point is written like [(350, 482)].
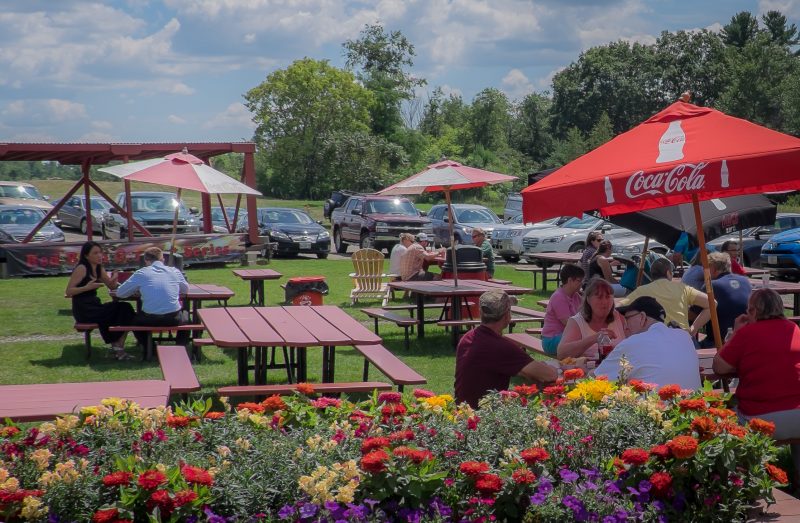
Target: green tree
[(296, 109), (566, 150), (441, 112), (488, 121), (779, 30), (601, 132), (359, 161), (530, 133), (742, 28)]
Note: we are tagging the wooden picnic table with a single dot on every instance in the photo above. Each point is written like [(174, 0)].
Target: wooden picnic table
[(752, 271), (194, 297), (545, 259), (783, 287), (256, 278), (45, 401), (454, 294), (290, 327)]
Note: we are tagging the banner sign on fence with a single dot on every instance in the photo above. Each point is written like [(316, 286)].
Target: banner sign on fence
[(60, 258)]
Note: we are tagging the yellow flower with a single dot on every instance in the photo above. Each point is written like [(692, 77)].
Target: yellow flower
[(42, 458), (223, 451), (347, 493), (313, 442), (541, 421), (243, 443), (298, 452), (602, 414), (593, 390), (440, 401), (161, 468), (67, 423), (33, 508), (3, 475), (10, 485)]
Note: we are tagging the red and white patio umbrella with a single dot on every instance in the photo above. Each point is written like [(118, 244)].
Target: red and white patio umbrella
[(683, 154), (446, 176)]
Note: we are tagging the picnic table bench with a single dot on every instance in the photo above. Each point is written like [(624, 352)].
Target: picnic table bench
[(177, 370), (86, 329), (390, 365), (529, 343), (147, 354), (46, 401)]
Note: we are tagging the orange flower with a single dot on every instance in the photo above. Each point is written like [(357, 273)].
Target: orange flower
[(184, 496), (370, 444), (640, 386), (534, 454), (473, 469), (273, 403), (305, 388), (178, 421), (635, 456), (777, 474), (763, 426), (523, 476), (488, 484), (117, 478), (375, 461), (697, 404), (150, 479), (214, 415), (554, 390), (526, 390), (196, 475), (573, 374), (731, 427), (669, 391), (7, 432), (252, 407), (105, 515), (661, 452), (705, 427), (721, 413), (683, 447)]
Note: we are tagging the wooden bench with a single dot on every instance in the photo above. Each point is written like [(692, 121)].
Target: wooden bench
[(86, 329), (401, 321), (177, 370), (290, 388), (160, 329), (390, 365), (529, 343), (501, 282)]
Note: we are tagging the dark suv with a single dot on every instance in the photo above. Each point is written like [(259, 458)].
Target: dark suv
[(376, 222), (336, 200)]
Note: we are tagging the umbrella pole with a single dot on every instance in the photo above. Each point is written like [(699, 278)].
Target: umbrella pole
[(175, 225), (640, 274), (740, 250), (452, 234), (712, 304)]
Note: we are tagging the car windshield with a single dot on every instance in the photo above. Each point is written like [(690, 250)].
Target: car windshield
[(100, 205), (586, 222), (20, 217), (155, 204), (395, 206), (20, 191), (476, 216), (286, 216), (217, 216)]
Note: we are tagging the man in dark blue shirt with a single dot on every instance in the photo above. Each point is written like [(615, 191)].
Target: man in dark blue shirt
[(731, 292)]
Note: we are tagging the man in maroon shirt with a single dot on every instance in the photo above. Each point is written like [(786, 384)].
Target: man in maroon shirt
[(486, 361)]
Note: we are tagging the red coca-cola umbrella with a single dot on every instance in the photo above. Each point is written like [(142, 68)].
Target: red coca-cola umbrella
[(683, 154)]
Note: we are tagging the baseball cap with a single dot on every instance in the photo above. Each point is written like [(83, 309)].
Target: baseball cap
[(647, 305), (422, 237)]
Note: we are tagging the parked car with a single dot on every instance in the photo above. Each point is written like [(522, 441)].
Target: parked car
[(73, 213), (635, 244), (17, 221), (13, 193), (155, 211), (781, 254), (336, 200), (507, 237), (753, 239), (513, 206), (571, 236), (294, 231), (376, 221), (218, 224), (467, 217)]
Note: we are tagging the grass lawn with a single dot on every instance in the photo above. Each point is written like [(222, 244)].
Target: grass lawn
[(53, 352)]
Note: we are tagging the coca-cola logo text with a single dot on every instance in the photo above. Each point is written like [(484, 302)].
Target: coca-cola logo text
[(672, 139), (681, 178)]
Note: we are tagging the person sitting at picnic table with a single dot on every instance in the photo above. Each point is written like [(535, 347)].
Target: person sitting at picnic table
[(765, 354), (600, 265), (656, 353), (486, 361), (675, 296), (88, 276), (731, 291), (406, 239), (160, 288), (693, 276), (562, 305), (731, 248), (487, 253), (593, 239), (596, 316), (412, 262)]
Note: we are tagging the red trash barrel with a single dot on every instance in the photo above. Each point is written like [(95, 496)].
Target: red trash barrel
[(306, 290)]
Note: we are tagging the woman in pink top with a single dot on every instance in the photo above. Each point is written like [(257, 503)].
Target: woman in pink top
[(563, 304), (597, 315)]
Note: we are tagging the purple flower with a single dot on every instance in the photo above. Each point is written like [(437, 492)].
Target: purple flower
[(567, 476), (545, 486), (214, 518), (578, 510), (610, 519), (308, 510), (591, 474), (356, 512), (286, 512), (645, 486), (439, 508), (538, 498), (612, 487), (621, 515)]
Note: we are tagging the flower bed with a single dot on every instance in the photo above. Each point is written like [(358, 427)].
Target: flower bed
[(586, 450)]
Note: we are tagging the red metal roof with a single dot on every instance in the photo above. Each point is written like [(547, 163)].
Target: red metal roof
[(103, 153)]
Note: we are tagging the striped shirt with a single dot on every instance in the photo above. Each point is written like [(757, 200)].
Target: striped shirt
[(159, 286)]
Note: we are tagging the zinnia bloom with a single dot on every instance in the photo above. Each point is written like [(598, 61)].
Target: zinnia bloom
[(196, 475), (162, 500), (763, 426), (640, 386), (472, 422), (683, 447), (523, 476), (273, 403), (324, 403), (184, 496), (370, 444), (390, 397), (777, 474), (423, 393), (473, 468), (375, 461), (635, 456), (305, 388), (534, 455), (105, 516), (151, 479), (252, 407), (721, 413), (554, 390), (402, 435), (214, 415), (573, 374), (178, 421), (705, 427), (733, 428), (661, 482), (7, 432), (669, 391), (698, 404), (117, 478), (488, 484), (526, 390)]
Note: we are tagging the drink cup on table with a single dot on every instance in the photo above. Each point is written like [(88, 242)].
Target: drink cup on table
[(604, 345)]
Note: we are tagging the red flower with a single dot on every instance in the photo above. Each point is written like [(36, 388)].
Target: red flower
[(555, 390), (196, 475), (178, 421), (473, 468), (393, 409), (763, 426), (117, 478), (635, 456), (698, 404), (370, 444), (683, 447), (106, 515), (305, 388), (523, 476), (721, 413), (640, 386), (184, 496), (533, 455), (420, 455), (273, 403), (661, 482), (151, 479), (526, 390), (162, 500), (733, 428), (252, 407), (777, 474), (573, 374), (324, 403), (375, 461), (402, 435), (472, 422), (488, 484), (390, 397), (669, 391), (423, 393), (214, 415), (8, 432), (705, 427)]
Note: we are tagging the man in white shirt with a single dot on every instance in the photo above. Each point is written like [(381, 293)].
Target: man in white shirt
[(406, 239), (657, 354)]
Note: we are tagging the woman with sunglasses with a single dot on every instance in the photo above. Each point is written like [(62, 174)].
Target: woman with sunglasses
[(600, 266), (592, 242)]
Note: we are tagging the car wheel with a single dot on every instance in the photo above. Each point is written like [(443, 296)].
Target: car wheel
[(340, 246), (322, 255), (365, 242), (576, 247), (511, 259), (82, 226)]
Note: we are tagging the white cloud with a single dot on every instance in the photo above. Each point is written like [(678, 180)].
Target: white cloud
[(102, 124), (448, 90), (17, 107), (63, 110), (516, 84), (175, 119), (235, 116), (249, 38), (789, 8)]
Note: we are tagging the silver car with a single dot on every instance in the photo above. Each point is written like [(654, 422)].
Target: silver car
[(73, 213), (17, 221), (507, 238), (571, 236)]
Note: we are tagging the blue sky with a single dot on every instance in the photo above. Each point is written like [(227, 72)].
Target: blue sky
[(176, 70)]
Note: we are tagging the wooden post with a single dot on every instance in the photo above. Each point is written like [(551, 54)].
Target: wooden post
[(452, 234), (712, 304), (640, 274)]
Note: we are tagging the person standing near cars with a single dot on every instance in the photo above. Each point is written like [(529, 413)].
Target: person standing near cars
[(487, 253)]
